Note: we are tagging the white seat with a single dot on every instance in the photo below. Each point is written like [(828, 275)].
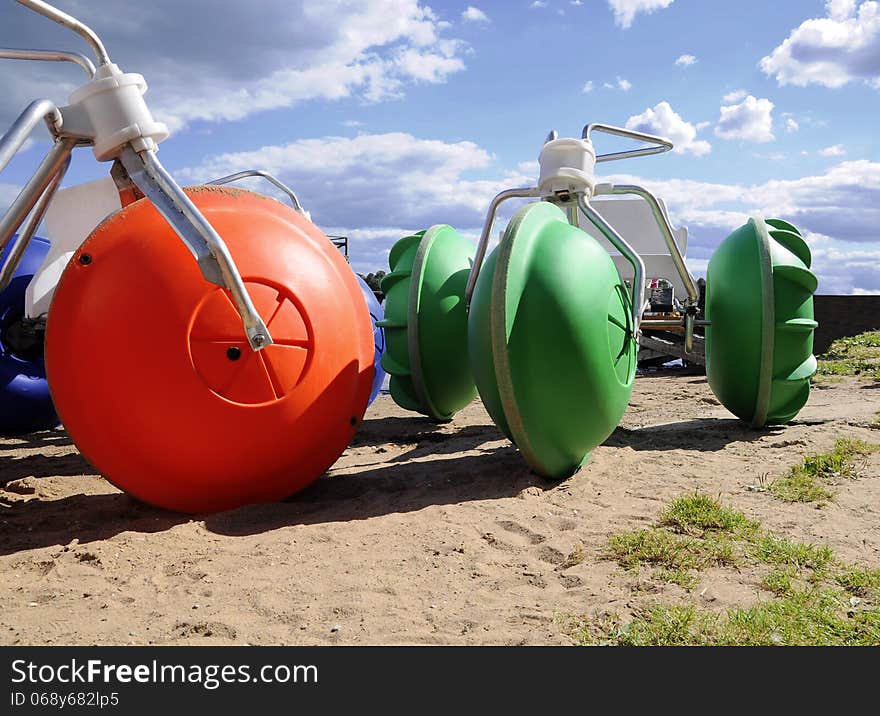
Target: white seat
[(634, 221), (70, 218)]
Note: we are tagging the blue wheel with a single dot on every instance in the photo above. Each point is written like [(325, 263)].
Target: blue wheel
[(376, 315), (25, 403)]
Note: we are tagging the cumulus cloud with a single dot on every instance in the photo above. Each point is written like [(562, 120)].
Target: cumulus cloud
[(750, 120), (791, 125), (474, 14), (588, 87), (286, 52), (664, 121), (838, 211), (836, 150), (625, 11), (686, 60), (621, 84), (842, 47), (735, 96), (378, 175)]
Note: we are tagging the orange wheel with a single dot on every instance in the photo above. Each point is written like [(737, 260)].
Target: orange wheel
[(155, 382)]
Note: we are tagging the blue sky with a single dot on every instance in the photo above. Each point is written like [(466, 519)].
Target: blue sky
[(389, 115)]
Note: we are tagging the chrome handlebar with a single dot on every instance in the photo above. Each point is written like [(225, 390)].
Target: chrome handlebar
[(71, 23), (662, 144)]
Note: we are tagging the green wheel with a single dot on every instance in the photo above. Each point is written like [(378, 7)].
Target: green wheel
[(550, 340), (759, 300), (426, 323)]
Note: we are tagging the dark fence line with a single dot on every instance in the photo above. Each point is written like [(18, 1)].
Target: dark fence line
[(840, 316)]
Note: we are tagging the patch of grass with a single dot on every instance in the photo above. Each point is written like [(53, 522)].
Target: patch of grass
[(807, 617), (654, 547), (862, 583), (673, 555), (817, 600), (804, 481), (854, 356), (780, 552), (699, 514), (799, 487), (779, 581), (682, 577)]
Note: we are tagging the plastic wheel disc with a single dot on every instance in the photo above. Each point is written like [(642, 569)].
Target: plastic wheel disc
[(550, 339), (426, 323), (376, 317), (759, 300), (25, 403), (155, 383)]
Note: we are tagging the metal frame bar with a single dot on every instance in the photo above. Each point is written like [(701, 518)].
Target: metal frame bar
[(209, 250), (663, 145), (77, 58), (57, 157), (525, 193), (144, 170), (268, 177), (666, 230), (16, 252), (628, 252), (40, 110), (71, 23)]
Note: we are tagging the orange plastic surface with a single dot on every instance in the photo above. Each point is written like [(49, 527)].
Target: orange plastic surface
[(154, 380)]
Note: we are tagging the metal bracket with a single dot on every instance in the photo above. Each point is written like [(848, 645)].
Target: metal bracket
[(531, 192), (209, 250)]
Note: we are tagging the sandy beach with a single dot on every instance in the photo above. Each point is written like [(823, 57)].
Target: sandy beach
[(420, 534)]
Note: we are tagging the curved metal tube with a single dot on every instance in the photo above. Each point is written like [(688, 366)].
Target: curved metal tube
[(13, 258), (36, 186), (610, 233), (70, 22), (77, 58), (487, 232), (264, 175), (37, 111), (196, 232), (663, 145), (665, 229)]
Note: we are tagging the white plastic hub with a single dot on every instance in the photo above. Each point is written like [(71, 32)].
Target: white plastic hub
[(72, 216), (567, 165), (110, 109)]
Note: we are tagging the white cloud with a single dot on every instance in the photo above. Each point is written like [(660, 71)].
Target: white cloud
[(836, 150), (287, 52), (833, 50), (588, 87), (662, 120), (735, 96), (751, 120), (625, 11), (837, 212), (538, 4), (621, 84), (474, 14), (791, 125), (376, 174), (686, 60), (576, 2)]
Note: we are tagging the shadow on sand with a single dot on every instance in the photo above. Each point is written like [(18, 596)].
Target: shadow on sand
[(495, 473), (704, 434)]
